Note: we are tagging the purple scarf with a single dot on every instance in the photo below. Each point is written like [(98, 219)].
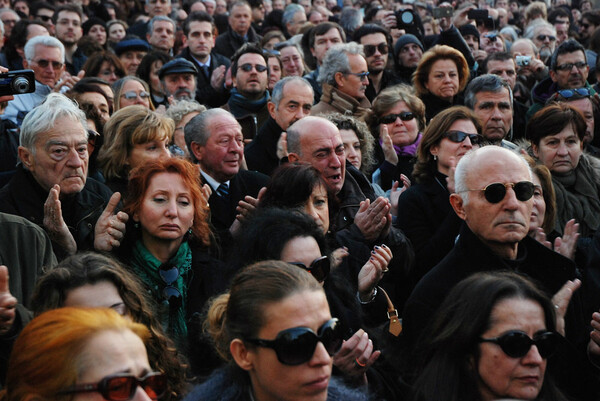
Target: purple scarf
[(408, 150)]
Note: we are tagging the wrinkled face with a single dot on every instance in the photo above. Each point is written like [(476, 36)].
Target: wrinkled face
[(539, 205), (271, 380), (158, 7), (163, 36), (560, 152), (200, 39), (403, 133), (131, 60), (574, 77), (317, 207), (134, 86), (100, 103), (443, 79), (142, 153), (472, 42), (167, 211), (181, 86), (377, 62), (274, 72), (116, 32), (295, 104), (505, 69), (545, 39), (102, 294), (292, 62), (224, 150), (61, 157), (240, 19), (324, 43), (495, 112), (449, 153), (251, 83), (296, 23), (68, 28), (351, 84), (410, 55), (501, 376), (48, 75), (352, 147), (108, 72), (98, 33), (587, 110), (9, 19)]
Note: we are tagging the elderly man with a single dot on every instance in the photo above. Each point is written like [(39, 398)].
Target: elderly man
[(249, 96), (294, 16), (239, 30), (214, 139), (292, 100), (529, 65), (9, 18), (544, 36), (568, 70), (67, 20), (494, 198), (178, 78), (152, 8), (161, 34), (51, 187), (344, 78)]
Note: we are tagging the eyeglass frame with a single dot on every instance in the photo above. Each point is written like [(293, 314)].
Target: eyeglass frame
[(359, 75), (142, 95), (380, 46), (505, 185), (569, 66), (43, 63), (101, 387)]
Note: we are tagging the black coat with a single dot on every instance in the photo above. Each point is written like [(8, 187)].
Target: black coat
[(229, 42), (205, 93), (261, 153), (387, 79), (434, 104)]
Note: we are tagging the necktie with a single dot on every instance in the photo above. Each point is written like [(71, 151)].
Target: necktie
[(223, 190), (206, 73)]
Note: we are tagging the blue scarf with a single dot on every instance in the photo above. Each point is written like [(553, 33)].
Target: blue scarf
[(241, 106)]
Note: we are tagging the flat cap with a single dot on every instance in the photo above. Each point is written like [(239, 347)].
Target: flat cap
[(177, 66), (131, 45)]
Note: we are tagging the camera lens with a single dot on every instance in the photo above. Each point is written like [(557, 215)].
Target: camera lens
[(407, 17), (20, 84)]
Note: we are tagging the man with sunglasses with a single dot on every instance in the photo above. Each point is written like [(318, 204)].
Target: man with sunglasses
[(543, 36), (43, 11), (590, 20)]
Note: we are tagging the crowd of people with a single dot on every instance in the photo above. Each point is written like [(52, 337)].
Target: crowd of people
[(267, 200)]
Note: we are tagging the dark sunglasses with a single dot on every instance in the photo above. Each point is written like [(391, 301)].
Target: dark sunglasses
[(391, 118), (459, 136), (577, 93), (360, 75), (44, 18), (319, 268), (122, 387), (585, 26), (517, 344), (297, 345), (496, 191), (169, 274), (541, 38), (248, 67), (569, 66), (57, 65), (370, 49)]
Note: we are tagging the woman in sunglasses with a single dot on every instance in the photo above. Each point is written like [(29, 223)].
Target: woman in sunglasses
[(396, 121), (424, 211), (130, 91), (82, 354), (275, 329), (495, 348)]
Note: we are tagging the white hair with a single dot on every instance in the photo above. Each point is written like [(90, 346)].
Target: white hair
[(48, 41)]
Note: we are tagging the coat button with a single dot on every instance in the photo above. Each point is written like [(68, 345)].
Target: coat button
[(89, 225)]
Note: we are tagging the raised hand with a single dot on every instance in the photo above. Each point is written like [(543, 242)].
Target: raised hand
[(396, 192), (110, 227), (7, 303), (374, 219), (566, 244), (55, 224), (356, 355), (372, 271), (387, 145), (561, 302)]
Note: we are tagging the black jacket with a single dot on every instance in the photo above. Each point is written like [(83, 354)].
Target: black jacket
[(261, 153), (228, 42), (205, 93), (435, 104), (387, 79)]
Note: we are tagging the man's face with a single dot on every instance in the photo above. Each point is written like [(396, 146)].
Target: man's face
[(573, 77), (545, 40), (376, 60), (240, 19), (131, 60), (68, 28), (502, 4), (9, 19), (293, 27), (495, 113), (181, 86), (410, 55), (98, 101), (351, 84), (278, 4), (324, 43), (587, 29), (252, 84), (45, 15), (221, 7), (472, 42), (504, 69), (224, 150), (491, 44), (60, 157), (47, 65), (258, 13), (295, 104), (305, 4), (163, 36), (585, 107), (200, 39), (562, 32), (158, 7)]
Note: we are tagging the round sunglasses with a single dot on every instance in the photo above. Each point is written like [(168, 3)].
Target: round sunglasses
[(459, 136), (517, 344), (297, 345), (122, 387), (495, 192), (319, 268), (391, 118)]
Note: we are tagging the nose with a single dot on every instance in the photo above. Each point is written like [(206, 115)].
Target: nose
[(320, 356), (164, 153), (562, 149), (141, 395), (467, 143), (533, 357), (311, 211), (74, 160), (510, 200), (171, 210)]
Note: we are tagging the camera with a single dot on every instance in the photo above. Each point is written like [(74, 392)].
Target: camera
[(17, 82), (409, 21), (523, 61)]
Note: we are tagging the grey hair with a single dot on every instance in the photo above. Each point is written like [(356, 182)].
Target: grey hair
[(197, 129), (160, 18), (336, 60), (148, 2), (48, 41), (536, 51), (183, 107), (351, 19), (289, 12), (1, 27), (486, 83), (293, 140), (43, 118), (535, 25), (280, 87)]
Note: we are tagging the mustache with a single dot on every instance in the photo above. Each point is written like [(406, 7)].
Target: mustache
[(183, 91)]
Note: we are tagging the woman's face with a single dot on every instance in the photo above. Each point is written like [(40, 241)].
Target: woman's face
[(108, 72), (112, 352), (270, 45), (143, 152), (292, 62), (501, 376), (560, 152), (116, 32), (99, 102), (403, 133), (443, 80), (274, 72), (98, 33), (167, 210), (352, 147), (102, 294), (449, 153), (155, 84), (273, 381), (539, 205), (134, 86), (301, 250), (317, 207)]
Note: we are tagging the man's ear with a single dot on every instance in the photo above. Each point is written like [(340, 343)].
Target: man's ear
[(26, 156), (271, 107), (457, 204), (339, 79), (197, 150), (148, 36), (553, 75), (25, 63), (293, 157), (242, 356)]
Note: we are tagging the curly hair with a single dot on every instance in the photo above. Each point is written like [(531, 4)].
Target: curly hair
[(440, 52), (366, 140)]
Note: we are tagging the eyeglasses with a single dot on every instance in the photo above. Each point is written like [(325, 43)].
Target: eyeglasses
[(131, 95), (169, 273), (391, 118), (577, 93), (585, 26), (370, 49), (56, 65), (297, 345), (319, 268), (44, 18), (517, 344), (495, 192), (360, 75), (122, 387), (248, 67), (271, 52), (459, 136), (569, 66), (541, 38)]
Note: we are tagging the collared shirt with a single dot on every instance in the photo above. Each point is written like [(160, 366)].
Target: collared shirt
[(202, 64), (214, 184)]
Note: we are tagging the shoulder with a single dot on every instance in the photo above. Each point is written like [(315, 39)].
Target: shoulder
[(96, 187), (13, 224), (251, 177), (338, 391), (223, 385)]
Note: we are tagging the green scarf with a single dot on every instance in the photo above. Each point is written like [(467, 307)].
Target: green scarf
[(146, 266)]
